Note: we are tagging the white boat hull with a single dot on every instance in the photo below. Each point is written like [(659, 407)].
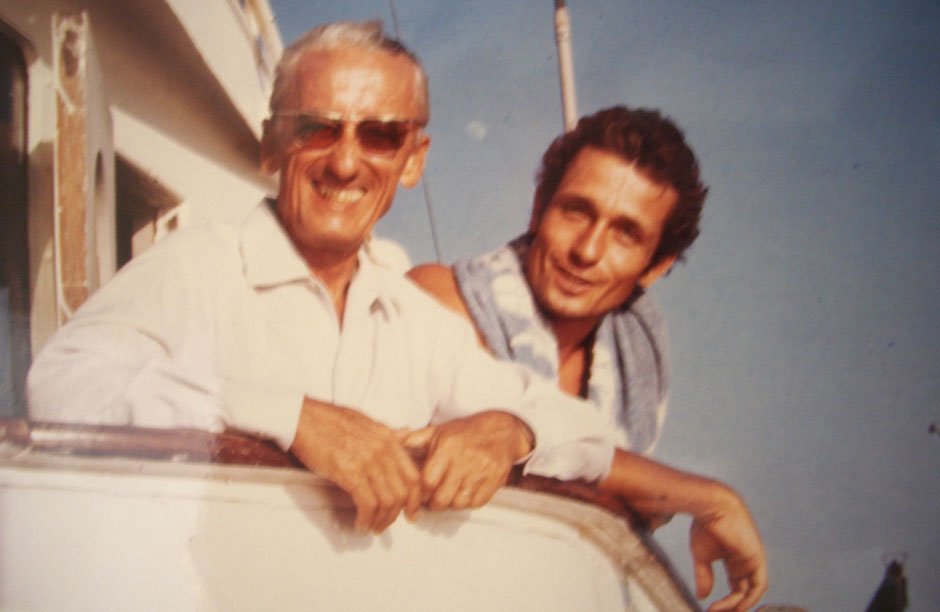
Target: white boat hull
[(117, 534)]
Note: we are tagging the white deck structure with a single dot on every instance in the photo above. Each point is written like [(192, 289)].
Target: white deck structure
[(141, 115), (119, 534)]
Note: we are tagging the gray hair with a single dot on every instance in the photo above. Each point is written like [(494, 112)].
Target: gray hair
[(368, 35)]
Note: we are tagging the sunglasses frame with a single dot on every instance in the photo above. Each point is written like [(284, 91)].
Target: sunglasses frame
[(337, 119)]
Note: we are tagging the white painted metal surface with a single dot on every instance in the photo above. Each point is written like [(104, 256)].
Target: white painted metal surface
[(114, 534)]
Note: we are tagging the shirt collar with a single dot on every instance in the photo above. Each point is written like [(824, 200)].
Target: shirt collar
[(269, 258), (370, 286)]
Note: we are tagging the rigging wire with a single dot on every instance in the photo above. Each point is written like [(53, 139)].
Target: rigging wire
[(391, 4), (427, 200), (424, 180)]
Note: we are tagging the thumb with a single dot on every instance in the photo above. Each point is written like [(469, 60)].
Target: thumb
[(701, 562), (418, 441), (704, 579)]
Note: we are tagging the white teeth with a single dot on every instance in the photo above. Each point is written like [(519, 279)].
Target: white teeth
[(342, 196)]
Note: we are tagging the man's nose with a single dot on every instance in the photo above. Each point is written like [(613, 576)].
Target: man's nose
[(343, 157), (589, 245)]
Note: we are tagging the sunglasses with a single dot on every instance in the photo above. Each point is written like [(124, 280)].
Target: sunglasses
[(379, 136)]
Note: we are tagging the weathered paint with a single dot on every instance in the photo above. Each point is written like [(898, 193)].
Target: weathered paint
[(118, 534)]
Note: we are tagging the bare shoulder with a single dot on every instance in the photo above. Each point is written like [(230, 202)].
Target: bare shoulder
[(441, 283)]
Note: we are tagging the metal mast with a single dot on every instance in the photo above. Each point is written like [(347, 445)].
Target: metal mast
[(569, 103)]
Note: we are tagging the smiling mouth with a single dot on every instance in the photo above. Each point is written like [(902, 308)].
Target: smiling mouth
[(339, 195), (568, 282)]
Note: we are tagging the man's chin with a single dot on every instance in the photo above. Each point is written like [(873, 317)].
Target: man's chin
[(331, 245), (563, 307), (341, 245)]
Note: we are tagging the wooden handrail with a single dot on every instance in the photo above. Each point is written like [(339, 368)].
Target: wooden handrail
[(230, 447), (146, 443)]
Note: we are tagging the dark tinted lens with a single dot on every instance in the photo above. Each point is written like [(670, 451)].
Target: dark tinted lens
[(316, 133), (382, 136)]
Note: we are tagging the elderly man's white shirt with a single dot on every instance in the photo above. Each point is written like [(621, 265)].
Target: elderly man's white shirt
[(225, 326)]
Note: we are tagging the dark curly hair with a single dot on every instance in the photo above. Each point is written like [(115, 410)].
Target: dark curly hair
[(657, 147)]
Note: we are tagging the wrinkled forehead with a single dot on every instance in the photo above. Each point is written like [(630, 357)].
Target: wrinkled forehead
[(357, 83)]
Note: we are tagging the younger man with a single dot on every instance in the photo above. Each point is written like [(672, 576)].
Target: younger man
[(617, 203)]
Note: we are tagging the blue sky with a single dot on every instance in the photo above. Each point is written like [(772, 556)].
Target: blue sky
[(804, 324)]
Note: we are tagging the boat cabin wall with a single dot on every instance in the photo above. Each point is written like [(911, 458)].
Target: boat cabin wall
[(174, 94)]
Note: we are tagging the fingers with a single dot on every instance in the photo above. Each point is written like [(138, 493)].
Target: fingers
[(444, 495), (744, 595), (728, 603), (470, 458), (704, 578), (747, 578), (462, 491), (366, 503), (413, 503), (381, 494), (701, 545), (753, 588), (376, 503), (396, 485), (436, 466), (467, 460), (392, 495), (451, 483), (416, 440), (440, 481), (486, 490)]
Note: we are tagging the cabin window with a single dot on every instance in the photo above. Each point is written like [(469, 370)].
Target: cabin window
[(14, 258)]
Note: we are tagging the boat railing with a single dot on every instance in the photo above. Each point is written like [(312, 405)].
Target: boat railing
[(599, 518)]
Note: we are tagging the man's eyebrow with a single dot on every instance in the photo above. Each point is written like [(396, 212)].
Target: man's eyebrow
[(575, 200), (629, 225)]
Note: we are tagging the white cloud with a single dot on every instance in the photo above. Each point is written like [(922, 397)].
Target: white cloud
[(476, 130)]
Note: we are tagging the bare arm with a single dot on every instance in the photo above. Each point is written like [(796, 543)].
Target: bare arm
[(440, 282), (722, 526)]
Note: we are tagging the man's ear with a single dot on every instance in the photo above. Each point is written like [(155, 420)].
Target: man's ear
[(270, 151), (657, 270), (414, 166)]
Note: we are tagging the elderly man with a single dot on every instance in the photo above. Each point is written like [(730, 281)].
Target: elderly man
[(618, 201), (285, 328)]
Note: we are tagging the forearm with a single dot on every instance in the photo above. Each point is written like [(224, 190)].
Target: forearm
[(651, 488)]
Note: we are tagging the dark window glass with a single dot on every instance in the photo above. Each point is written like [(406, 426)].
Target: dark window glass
[(14, 258)]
